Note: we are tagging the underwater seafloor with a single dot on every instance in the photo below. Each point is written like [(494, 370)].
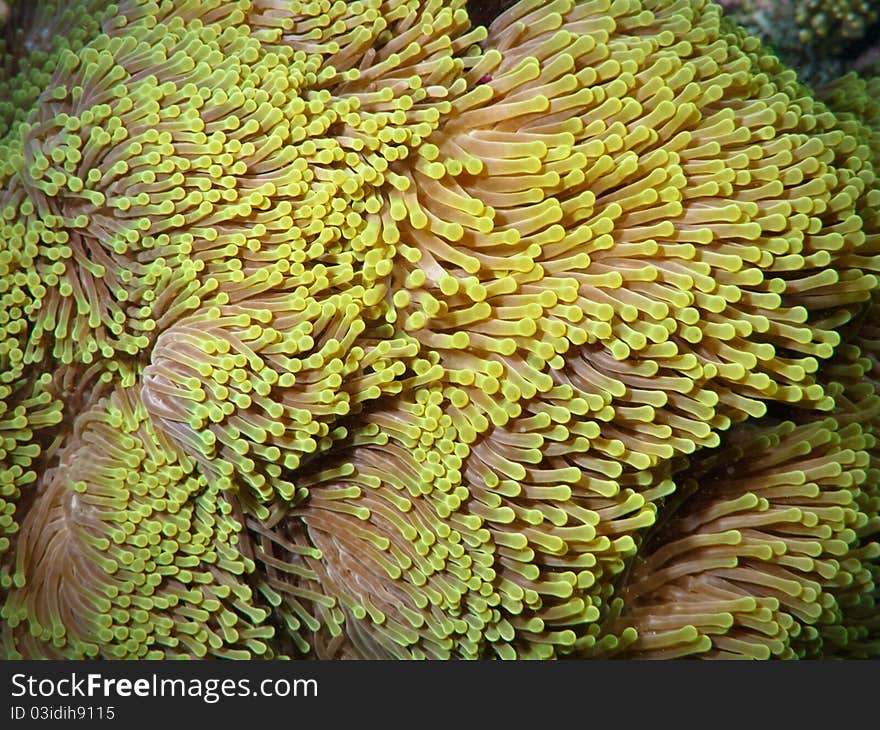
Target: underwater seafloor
[(361, 330)]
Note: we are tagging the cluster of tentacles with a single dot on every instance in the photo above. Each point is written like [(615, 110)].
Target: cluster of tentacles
[(347, 329)]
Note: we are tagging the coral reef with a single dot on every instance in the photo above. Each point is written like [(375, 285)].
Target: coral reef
[(820, 38), (355, 330)]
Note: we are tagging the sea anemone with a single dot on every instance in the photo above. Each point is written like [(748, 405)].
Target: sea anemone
[(353, 330)]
